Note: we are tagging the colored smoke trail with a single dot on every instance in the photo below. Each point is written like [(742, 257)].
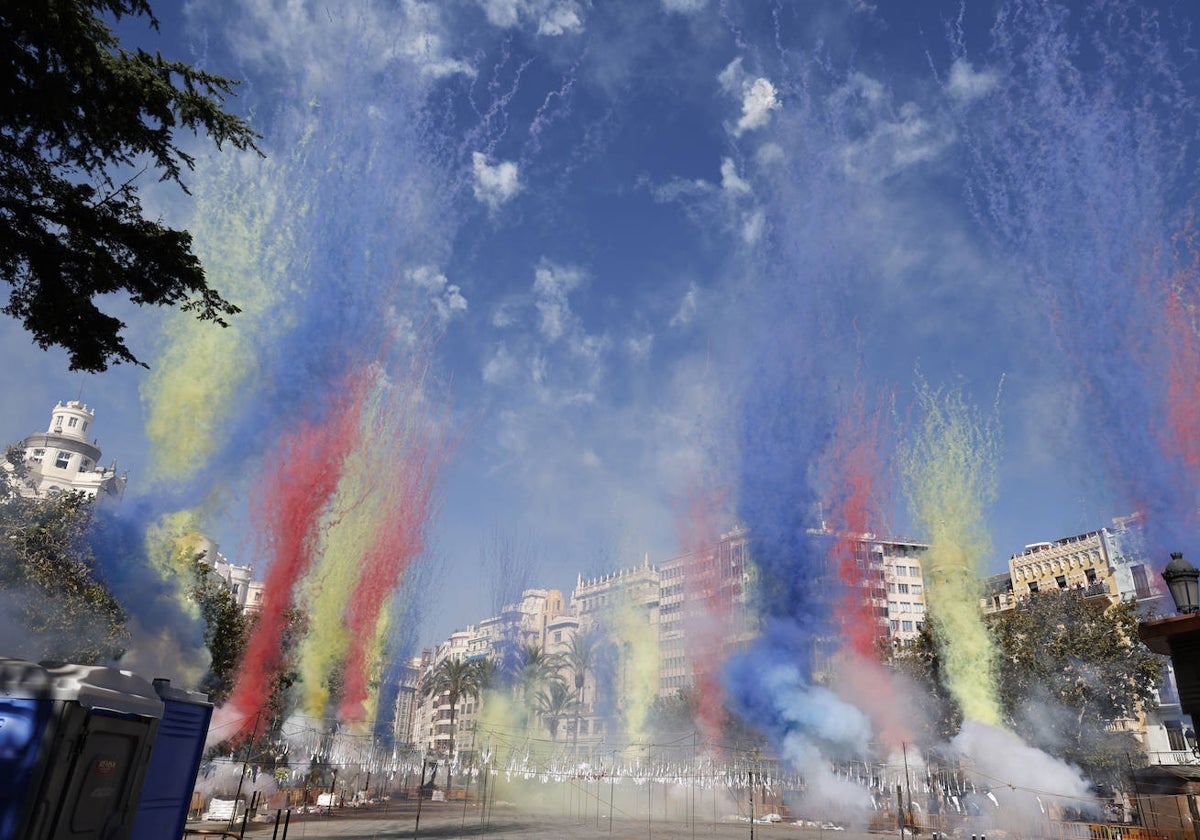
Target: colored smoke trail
[(373, 530), (854, 510), (1183, 367), (347, 534), (950, 470), (638, 664), (1080, 123), (192, 389), (855, 466), (296, 491), (800, 302), (707, 605), (310, 245), (414, 443), (298, 240)]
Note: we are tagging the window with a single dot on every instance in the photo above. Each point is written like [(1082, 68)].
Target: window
[(907, 626), (895, 625), (84, 465), (915, 571), (892, 588), (1061, 580), (63, 460), (1175, 738), (1033, 587), (72, 422), (1141, 585), (1090, 574), (915, 589), (37, 456), (903, 588), (558, 635)]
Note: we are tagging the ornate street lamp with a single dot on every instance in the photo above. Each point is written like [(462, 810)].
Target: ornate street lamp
[(1181, 577)]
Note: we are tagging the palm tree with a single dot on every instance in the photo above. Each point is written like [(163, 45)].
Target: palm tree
[(580, 656), (456, 679), (551, 703), (535, 668)]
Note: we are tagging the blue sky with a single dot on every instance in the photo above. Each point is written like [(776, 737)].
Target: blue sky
[(625, 217)]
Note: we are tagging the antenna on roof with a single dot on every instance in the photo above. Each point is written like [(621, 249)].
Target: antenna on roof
[(82, 379)]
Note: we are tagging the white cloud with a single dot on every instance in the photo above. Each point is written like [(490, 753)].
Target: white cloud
[(752, 226), (560, 20), (591, 459), (758, 95), (965, 85), (769, 154), (502, 13), (500, 366), (686, 7), (639, 347), (861, 86), (447, 298), (730, 181), (552, 18), (425, 49), (892, 145), (687, 307), (306, 41), (495, 185), (733, 77), (681, 189), (552, 285)]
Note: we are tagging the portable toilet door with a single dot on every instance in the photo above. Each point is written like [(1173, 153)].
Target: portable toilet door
[(174, 763), (96, 755)]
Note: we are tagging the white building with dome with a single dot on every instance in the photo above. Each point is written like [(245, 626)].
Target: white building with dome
[(62, 458)]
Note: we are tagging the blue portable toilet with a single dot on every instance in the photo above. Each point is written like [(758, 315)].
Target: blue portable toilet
[(82, 762), (24, 716), (174, 763)]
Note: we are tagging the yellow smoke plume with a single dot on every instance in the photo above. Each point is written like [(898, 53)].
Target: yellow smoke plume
[(950, 471)]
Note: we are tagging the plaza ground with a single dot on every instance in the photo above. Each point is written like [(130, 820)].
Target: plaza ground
[(447, 820)]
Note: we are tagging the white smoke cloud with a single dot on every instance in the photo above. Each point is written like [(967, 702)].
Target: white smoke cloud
[(758, 96), (552, 285), (552, 18), (731, 182), (758, 101), (446, 298), (494, 185), (966, 85), (1019, 777), (687, 307), (686, 7)]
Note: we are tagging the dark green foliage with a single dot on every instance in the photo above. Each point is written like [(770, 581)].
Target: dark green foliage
[(1071, 674), (81, 120), (454, 679), (552, 703), (56, 607), (1071, 671)]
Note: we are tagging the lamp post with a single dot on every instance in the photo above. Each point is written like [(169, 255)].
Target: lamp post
[(1178, 636), (1181, 577)]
